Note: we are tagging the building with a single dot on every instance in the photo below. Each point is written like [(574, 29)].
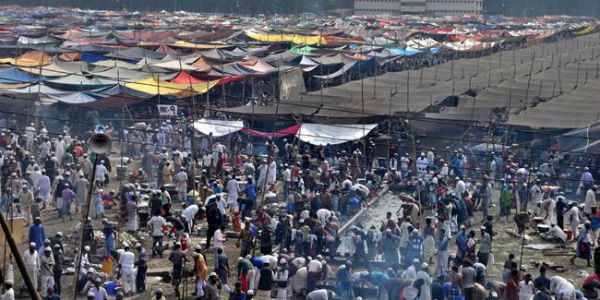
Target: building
[(454, 7), (418, 7)]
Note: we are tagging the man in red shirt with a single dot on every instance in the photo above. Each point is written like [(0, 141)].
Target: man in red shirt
[(512, 287)]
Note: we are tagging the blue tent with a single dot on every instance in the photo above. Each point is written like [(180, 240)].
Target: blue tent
[(14, 75)]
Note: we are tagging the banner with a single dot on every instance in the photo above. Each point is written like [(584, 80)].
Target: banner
[(272, 134), (167, 110)]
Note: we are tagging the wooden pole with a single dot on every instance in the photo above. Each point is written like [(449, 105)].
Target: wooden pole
[(559, 77), (14, 249), (529, 81), (84, 222), (578, 68)]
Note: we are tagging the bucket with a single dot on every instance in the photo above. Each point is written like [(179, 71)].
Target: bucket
[(569, 234), (111, 288)]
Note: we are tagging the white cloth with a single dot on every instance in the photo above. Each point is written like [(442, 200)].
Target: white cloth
[(460, 188), (221, 204), (272, 173), (422, 165), (190, 211), (46, 281), (99, 293), (410, 273), (557, 232), (590, 201), (315, 266), (128, 279), (157, 223), (233, 189), (562, 288), (219, 239), (8, 295), (101, 172), (324, 214), (300, 280), (318, 295), (32, 263), (426, 287), (287, 175), (525, 290)]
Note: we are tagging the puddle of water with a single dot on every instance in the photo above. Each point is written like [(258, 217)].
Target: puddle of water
[(376, 213)]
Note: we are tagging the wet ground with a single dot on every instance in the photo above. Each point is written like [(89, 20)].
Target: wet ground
[(503, 243)]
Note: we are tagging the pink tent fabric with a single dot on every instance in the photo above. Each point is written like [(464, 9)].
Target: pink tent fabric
[(292, 130)]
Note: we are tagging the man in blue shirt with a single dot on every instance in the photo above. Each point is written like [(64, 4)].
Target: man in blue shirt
[(250, 190), (542, 280), (37, 234), (587, 180), (378, 279), (461, 241)]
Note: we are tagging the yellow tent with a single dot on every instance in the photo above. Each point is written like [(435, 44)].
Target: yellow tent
[(155, 86), (189, 45), (586, 30), (288, 38)]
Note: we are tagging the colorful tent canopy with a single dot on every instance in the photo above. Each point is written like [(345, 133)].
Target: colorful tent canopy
[(155, 86)]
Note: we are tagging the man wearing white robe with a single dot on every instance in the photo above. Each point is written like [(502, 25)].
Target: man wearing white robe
[(81, 189), (59, 148), (32, 262), (126, 261), (43, 187), (181, 180), (233, 189)]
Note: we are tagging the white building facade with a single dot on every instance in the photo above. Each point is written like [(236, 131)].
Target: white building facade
[(418, 7)]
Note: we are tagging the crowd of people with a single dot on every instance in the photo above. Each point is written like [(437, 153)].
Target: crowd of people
[(286, 211)]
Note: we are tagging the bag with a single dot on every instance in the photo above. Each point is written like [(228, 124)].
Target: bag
[(491, 260)]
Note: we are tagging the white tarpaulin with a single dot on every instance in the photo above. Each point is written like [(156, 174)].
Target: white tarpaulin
[(291, 84), (318, 134), (218, 127)]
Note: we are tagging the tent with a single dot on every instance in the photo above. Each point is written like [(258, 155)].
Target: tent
[(319, 134), (15, 75), (155, 86), (586, 139), (78, 83), (135, 53), (218, 127), (273, 134)]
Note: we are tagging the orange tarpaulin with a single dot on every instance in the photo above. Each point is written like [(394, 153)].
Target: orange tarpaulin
[(204, 63), (70, 56), (29, 59), (185, 78)]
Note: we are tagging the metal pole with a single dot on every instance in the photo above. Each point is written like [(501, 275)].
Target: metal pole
[(19, 260), (83, 225)]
